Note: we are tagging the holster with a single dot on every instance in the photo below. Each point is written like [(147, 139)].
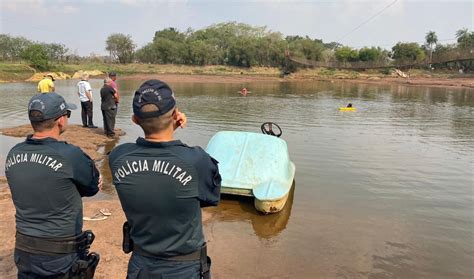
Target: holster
[(205, 263), (84, 268), (127, 242)]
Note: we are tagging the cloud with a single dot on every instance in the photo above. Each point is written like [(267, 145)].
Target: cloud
[(40, 7)]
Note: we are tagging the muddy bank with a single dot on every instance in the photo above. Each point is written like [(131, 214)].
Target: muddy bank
[(227, 74), (416, 81), (89, 140), (200, 78), (427, 82)]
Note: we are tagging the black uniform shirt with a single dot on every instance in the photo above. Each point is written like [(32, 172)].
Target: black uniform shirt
[(107, 98), (47, 179), (162, 187)]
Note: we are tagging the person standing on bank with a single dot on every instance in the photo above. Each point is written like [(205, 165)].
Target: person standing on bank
[(113, 77), (108, 107), (47, 179), (84, 90), (162, 184), (46, 85)]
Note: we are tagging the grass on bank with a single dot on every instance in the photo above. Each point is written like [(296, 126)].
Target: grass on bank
[(136, 68), (21, 72), (15, 72)]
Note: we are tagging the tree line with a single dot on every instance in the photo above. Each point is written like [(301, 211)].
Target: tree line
[(241, 45)]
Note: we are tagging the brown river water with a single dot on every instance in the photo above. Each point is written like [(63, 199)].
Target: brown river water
[(384, 192)]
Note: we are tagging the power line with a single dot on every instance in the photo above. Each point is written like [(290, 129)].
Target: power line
[(366, 21), (385, 45)]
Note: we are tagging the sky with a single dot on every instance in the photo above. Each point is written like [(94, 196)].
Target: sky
[(84, 25)]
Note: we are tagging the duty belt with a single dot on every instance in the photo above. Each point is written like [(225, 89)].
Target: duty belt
[(194, 256), (53, 246)]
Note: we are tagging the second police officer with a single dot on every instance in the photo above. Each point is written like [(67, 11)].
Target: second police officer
[(47, 178), (162, 184)]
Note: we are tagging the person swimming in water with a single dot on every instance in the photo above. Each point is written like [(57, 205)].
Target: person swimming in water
[(244, 91)]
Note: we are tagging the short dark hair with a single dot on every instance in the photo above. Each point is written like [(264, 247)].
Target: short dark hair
[(153, 125), (41, 126)]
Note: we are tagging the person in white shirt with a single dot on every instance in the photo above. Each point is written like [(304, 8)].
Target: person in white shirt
[(84, 90)]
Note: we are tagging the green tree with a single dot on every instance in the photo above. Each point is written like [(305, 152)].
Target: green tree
[(202, 53), (120, 47), (11, 47), (431, 39), (242, 52), (56, 52), (147, 54), (407, 52), (169, 52), (270, 50), (465, 38), (37, 57), (346, 54), (371, 54), (306, 47), (171, 34)]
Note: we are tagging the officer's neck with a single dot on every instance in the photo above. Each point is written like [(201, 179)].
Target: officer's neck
[(163, 136), (53, 133)]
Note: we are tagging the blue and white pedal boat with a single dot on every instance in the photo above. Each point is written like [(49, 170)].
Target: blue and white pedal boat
[(255, 165)]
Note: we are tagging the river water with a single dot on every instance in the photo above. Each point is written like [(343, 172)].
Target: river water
[(384, 192)]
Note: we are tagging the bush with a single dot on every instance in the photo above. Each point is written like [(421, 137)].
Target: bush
[(37, 57)]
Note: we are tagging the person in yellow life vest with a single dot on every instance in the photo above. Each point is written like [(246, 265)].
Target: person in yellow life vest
[(46, 85)]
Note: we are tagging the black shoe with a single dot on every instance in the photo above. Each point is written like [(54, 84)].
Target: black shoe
[(92, 126), (84, 126)]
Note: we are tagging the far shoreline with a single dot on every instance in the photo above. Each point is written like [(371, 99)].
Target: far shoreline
[(417, 81), (15, 73)]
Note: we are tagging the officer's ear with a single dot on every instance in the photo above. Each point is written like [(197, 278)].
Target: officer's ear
[(134, 119), (61, 121)]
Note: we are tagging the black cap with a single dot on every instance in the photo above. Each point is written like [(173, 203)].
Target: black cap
[(112, 74), (51, 105), (153, 92)]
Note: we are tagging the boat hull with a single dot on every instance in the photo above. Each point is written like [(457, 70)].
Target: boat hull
[(270, 206), (255, 165)]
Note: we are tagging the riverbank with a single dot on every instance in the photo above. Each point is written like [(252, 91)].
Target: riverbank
[(227, 74)]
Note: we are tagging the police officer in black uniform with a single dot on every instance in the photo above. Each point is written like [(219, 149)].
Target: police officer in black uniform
[(162, 184), (47, 179)]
